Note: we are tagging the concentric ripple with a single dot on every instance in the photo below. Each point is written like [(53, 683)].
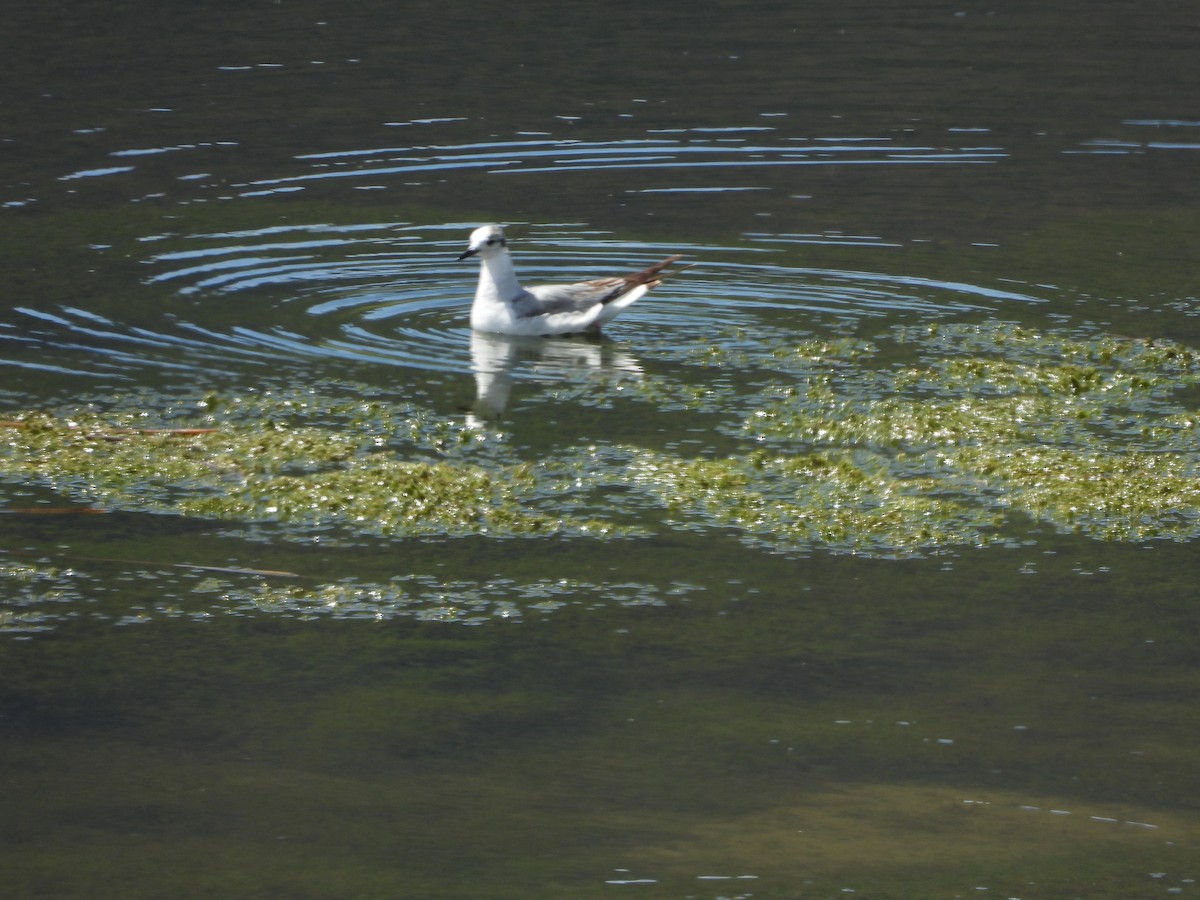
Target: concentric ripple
[(676, 149), (393, 294)]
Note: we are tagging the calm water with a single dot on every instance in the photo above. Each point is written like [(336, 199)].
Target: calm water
[(761, 597)]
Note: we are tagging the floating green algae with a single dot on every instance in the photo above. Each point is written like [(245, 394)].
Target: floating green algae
[(293, 474), (812, 500), (425, 598), (1127, 496), (33, 594), (1085, 434), (39, 596), (919, 439)]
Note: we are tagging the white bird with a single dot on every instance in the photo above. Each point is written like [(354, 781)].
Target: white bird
[(502, 306)]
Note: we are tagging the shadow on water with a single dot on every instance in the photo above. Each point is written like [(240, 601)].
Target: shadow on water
[(856, 559)]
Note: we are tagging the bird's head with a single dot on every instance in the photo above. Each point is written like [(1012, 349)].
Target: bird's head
[(486, 240)]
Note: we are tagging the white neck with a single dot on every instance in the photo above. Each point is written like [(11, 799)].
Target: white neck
[(497, 273)]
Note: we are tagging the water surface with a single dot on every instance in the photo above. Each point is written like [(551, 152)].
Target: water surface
[(856, 558)]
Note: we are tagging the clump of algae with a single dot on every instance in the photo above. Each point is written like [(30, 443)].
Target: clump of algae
[(815, 499), (1083, 433), (294, 474), (922, 438)]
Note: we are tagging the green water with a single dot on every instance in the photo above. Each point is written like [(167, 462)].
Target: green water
[(854, 561)]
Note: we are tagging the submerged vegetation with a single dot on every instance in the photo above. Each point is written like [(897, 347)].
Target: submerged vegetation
[(922, 439)]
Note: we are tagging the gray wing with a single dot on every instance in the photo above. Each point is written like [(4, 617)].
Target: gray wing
[(547, 299)]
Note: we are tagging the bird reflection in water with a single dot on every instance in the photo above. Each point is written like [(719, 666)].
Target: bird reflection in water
[(498, 361)]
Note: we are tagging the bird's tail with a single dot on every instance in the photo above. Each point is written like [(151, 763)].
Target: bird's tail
[(651, 276)]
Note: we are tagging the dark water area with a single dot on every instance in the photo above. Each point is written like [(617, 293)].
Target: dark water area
[(856, 560)]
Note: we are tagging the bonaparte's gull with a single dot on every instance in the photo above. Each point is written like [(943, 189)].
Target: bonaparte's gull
[(502, 306)]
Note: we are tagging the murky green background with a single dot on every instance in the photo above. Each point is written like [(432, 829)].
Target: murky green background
[(857, 560)]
